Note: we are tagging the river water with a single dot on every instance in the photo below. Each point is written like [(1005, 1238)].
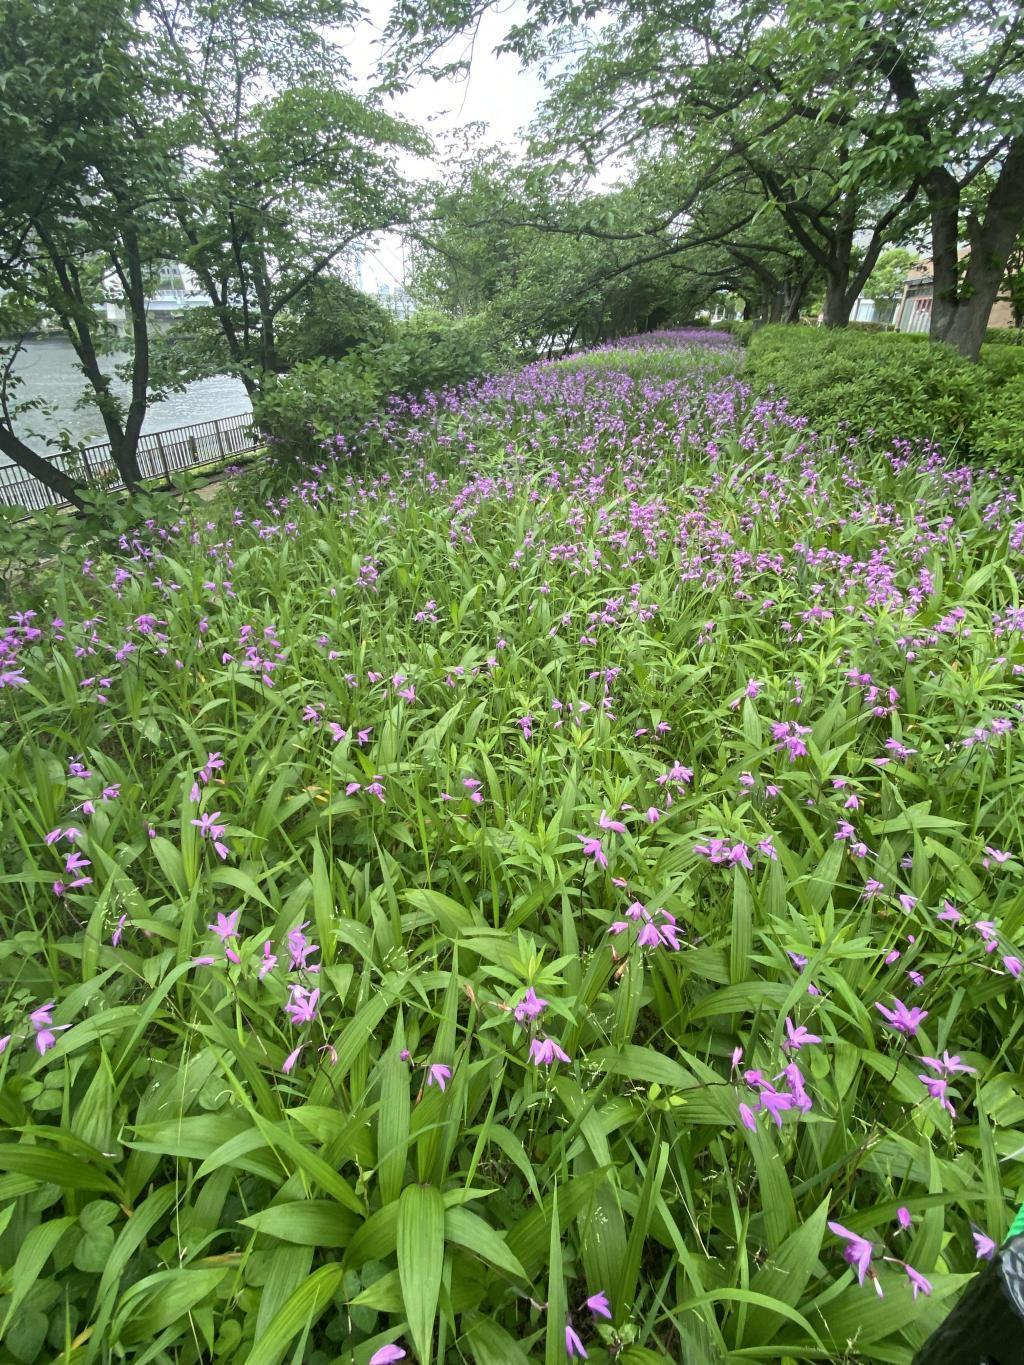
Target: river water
[(47, 366)]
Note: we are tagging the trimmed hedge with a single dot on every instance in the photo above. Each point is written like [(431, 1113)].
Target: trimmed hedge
[(887, 386), (742, 329), (1004, 336)]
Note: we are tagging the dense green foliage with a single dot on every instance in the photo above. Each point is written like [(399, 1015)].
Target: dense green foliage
[(840, 126), (328, 319), (226, 137), (319, 400), (602, 681), (890, 386)]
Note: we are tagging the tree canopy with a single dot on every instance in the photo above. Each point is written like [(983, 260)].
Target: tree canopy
[(223, 136), (855, 123)]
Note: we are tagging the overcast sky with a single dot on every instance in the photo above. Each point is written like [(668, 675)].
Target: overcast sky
[(496, 92)]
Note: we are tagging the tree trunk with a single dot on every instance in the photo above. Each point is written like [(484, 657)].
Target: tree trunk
[(796, 298), (960, 310), (126, 454), (45, 471), (838, 304)]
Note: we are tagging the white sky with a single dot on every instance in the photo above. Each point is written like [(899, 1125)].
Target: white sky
[(497, 92)]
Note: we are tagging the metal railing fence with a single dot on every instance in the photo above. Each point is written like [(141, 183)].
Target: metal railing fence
[(160, 454)]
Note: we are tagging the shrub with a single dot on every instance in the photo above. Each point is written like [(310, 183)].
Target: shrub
[(322, 399), (998, 430), (741, 328), (1002, 364), (316, 401), (431, 352), (1004, 336), (880, 386), (328, 320)]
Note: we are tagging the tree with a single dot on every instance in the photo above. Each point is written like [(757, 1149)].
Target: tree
[(285, 168), (893, 105), (560, 266), (941, 102), (329, 319), (221, 135), (79, 214)]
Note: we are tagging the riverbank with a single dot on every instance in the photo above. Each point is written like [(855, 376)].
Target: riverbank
[(47, 369)]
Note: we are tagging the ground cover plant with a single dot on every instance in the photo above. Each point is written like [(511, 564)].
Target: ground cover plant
[(544, 886)]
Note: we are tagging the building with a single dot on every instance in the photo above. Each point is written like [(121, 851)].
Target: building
[(914, 310), (176, 290), (396, 300), (873, 310)]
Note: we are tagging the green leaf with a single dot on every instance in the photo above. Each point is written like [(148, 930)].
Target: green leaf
[(554, 1335), (304, 1306), (160, 1299), (37, 1248), (741, 945), (420, 1246), (784, 1275), (454, 919), (468, 1230), (307, 1222)]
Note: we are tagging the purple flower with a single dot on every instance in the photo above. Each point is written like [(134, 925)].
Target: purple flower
[(614, 826), (903, 1217), (545, 1051), (387, 1355), (949, 1066), (937, 1087), (903, 1019), (530, 1006), (300, 947), (857, 1252), (795, 1081), (213, 764), (592, 848), (291, 1059), (226, 926), (209, 829), (115, 937), (790, 736), (573, 1345), (439, 1075), (748, 1118), (984, 1246), (301, 1008), (798, 1037), (918, 1282), (598, 1305), (775, 1102), (269, 960)]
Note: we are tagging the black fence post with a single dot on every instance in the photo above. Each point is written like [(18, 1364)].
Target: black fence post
[(163, 457)]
